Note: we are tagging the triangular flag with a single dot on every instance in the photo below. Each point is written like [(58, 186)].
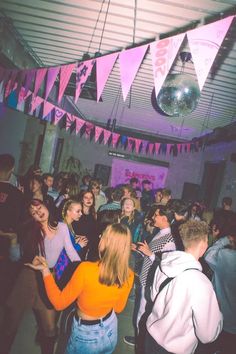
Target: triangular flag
[(29, 78), (39, 77), (163, 54), (179, 147), (47, 108), (157, 146), (204, 43), (169, 146), (131, 143), (137, 145), (115, 138), (20, 80), (51, 77), (88, 129), (150, 148), (11, 83), (107, 135), (78, 124), (65, 74), (58, 114), (83, 71), (70, 118), (130, 61), (98, 132), (104, 66), (36, 101)]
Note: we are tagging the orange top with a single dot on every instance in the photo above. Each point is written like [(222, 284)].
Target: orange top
[(93, 298)]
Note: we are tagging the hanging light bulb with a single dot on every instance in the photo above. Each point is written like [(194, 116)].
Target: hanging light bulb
[(180, 93)]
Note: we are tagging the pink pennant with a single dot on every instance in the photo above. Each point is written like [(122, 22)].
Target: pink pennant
[(204, 43), (157, 146), (51, 77), (11, 83), (145, 143), (65, 74), (104, 66), (70, 118), (88, 129), (40, 75), (115, 138), (47, 108), (21, 78), (130, 61), (163, 54), (179, 147), (137, 145), (150, 148), (58, 114), (130, 143), (168, 148), (36, 101), (82, 73), (29, 78), (98, 132), (78, 124), (107, 135)]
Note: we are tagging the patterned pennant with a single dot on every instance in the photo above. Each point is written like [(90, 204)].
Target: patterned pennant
[(168, 148), (137, 145), (58, 114), (150, 148), (98, 132), (36, 101), (157, 146), (78, 124), (40, 75), (115, 138), (51, 77), (107, 135), (82, 73), (104, 66), (130, 61), (47, 108), (29, 79), (70, 118), (163, 54), (65, 74)]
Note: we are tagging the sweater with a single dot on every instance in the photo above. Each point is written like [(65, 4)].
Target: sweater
[(186, 309), (93, 298)]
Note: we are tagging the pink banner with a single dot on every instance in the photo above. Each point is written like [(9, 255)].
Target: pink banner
[(115, 138), (204, 43), (11, 83), (179, 146), (78, 124), (107, 135), (130, 144), (88, 130), (123, 170), (51, 77), (58, 114), (65, 74), (104, 67), (163, 54), (20, 80), (29, 79), (98, 132), (130, 61), (36, 101), (82, 73), (157, 146), (70, 118), (40, 75), (137, 145), (150, 148), (47, 108)]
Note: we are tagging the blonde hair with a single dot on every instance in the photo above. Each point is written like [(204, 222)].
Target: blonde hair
[(67, 206), (114, 250), (131, 216), (192, 232)]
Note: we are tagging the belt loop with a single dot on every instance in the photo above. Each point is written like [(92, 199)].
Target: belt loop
[(101, 322), (79, 321)]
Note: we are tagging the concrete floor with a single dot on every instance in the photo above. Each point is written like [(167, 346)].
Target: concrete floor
[(24, 341)]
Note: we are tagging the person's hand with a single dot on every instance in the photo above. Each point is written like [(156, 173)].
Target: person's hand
[(39, 263), (81, 240), (144, 248), (133, 247)]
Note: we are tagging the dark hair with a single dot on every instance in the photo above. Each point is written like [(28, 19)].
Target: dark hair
[(108, 217), (46, 175), (117, 194), (167, 212), (86, 177), (133, 180), (178, 206), (227, 200), (92, 208), (7, 162), (146, 181)]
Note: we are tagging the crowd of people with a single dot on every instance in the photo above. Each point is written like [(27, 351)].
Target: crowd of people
[(77, 251)]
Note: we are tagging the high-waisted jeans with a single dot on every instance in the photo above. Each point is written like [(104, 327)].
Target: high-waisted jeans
[(93, 339)]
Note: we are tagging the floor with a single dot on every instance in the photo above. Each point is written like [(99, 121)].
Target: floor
[(24, 341)]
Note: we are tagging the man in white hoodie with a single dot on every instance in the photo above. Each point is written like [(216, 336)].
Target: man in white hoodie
[(185, 307)]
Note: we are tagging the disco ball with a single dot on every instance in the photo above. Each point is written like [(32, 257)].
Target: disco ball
[(179, 95)]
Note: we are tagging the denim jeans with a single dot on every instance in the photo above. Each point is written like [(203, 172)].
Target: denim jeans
[(93, 339)]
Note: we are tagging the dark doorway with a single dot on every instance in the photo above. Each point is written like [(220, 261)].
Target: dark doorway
[(211, 182)]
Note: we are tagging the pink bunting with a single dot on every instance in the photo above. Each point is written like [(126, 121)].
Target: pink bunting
[(21, 79), (78, 124), (104, 66), (47, 108), (51, 77), (179, 147), (157, 146), (163, 54), (137, 145), (107, 135), (145, 144), (88, 129), (98, 132), (65, 74), (29, 79), (11, 83), (150, 148), (70, 118), (36, 101), (130, 144), (58, 114), (40, 75), (115, 138), (130, 61), (82, 73), (204, 43), (168, 148)]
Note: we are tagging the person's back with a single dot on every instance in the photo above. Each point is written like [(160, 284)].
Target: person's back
[(185, 310)]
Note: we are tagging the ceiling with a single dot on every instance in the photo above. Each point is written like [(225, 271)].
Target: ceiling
[(60, 32)]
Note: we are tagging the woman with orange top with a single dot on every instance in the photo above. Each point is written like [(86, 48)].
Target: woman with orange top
[(99, 288)]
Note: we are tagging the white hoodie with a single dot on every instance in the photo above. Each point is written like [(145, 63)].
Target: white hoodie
[(186, 309)]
